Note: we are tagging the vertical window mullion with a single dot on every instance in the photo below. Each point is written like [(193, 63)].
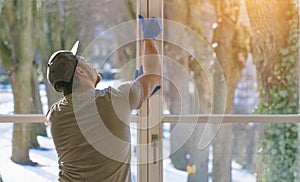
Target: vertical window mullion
[(149, 150)]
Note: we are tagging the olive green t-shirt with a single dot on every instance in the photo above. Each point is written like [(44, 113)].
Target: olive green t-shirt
[(91, 133)]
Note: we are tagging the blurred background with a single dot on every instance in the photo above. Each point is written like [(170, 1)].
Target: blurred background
[(254, 44)]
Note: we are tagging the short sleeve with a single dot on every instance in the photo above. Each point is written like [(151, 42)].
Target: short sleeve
[(132, 92)]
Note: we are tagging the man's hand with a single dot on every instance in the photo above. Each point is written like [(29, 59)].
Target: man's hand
[(150, 28)]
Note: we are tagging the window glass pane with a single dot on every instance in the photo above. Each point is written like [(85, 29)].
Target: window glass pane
[(252, 156), (57, 25), (215, 65), (224, 51)]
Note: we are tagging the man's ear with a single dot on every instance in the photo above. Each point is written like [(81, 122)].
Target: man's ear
[(80, 71)]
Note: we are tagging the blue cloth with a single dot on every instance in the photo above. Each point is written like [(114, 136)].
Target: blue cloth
[(151, 28)]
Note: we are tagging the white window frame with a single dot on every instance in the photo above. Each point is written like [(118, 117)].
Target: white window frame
[(149, 145)]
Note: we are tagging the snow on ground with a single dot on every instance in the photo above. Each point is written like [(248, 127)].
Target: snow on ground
[(48, 169), (12, 172)]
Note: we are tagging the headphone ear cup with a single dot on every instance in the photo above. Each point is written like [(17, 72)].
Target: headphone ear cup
[(59, 86)]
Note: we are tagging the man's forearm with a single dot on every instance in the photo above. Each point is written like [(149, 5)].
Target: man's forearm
[(151, 60)]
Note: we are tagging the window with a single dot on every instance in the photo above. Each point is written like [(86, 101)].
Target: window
[(227, 108)]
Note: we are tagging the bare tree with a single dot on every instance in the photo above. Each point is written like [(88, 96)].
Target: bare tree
[(198, 16), (36, 129), (17, 52), (231, 42)]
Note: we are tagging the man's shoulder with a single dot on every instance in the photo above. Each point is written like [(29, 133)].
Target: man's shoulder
[(56, 107), (103, 92), (115, 89)]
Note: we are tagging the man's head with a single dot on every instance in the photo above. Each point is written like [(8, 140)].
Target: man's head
[(62, 68)]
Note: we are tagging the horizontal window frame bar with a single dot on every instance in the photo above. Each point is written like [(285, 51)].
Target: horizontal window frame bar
[(22, 118), (202, 118), (233, 118)]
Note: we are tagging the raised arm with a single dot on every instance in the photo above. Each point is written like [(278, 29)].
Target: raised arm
[(152, 68), (151, 62)]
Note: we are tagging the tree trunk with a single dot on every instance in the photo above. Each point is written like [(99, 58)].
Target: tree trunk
[(199, 157), (191, 14), (48, 42), (21, 133), (222, 143), (131, 8), (57, 32), (231, 47), (176, 90), (274, 24), (178, 144), (269, 32), (18, 63), (36, 108)]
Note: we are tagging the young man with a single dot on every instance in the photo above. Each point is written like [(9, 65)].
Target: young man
[(90, 127)]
